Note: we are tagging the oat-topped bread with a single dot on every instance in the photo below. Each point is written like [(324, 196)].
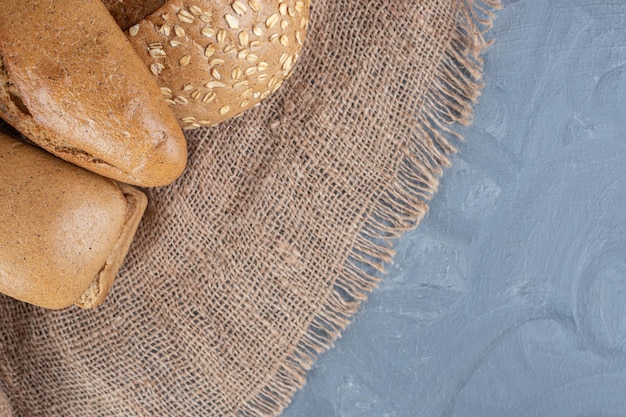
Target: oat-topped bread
[(71, 83), (65, 231), (213, 59)]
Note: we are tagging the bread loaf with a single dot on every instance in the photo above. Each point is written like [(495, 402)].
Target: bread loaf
[(214, 59), (71, 83), (65, 231)]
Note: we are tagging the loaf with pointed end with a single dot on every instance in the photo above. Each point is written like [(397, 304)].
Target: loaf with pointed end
[(65, 231), (214, 59), (71, 82)]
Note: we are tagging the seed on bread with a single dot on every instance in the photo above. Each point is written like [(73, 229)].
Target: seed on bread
[(232, 21), (272, 20), (133, 30), (179, 31), (255, 5), (195, 10), (185, 16), (185, 60), (239, 7), (208, 32)]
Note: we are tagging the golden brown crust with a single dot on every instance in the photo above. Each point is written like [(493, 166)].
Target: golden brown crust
[(129, 12), (75, 87), (216, 59), (136, 203), (60, 226)]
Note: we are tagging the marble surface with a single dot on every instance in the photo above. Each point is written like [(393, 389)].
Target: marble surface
[(510, 298)]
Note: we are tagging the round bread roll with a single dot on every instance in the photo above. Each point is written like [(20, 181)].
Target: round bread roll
[(65, 231), (72, 84), (214, 59)]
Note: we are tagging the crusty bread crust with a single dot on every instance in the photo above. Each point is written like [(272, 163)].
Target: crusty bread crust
[(136, 203), (62, 227), (71, 83)]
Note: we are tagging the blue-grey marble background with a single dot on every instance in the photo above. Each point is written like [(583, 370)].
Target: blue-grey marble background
[(510, 298)]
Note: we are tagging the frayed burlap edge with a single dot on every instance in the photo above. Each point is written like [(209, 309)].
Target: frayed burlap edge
[(448, 102)]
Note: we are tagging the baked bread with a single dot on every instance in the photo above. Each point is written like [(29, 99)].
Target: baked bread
[(214, 59), (71, 83), (65, 231)]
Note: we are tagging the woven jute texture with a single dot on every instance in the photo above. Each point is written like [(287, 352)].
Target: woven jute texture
[(253, 262)]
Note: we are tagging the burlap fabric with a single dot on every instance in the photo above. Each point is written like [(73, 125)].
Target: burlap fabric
[(252, 263)]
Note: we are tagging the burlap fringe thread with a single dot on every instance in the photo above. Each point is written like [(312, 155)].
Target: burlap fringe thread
[(449, 101)]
